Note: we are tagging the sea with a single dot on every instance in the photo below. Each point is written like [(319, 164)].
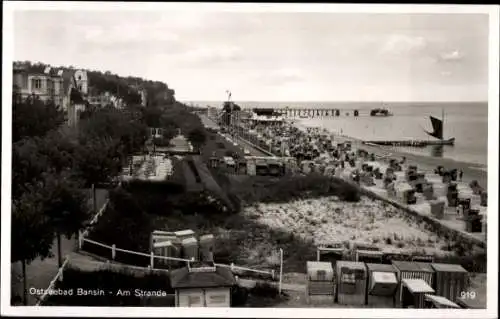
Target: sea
[(467, 122)]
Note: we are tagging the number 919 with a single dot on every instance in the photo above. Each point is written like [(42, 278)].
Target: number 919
[(468, 294)]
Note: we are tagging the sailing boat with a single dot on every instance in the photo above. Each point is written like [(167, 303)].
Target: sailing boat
[(437, 126)]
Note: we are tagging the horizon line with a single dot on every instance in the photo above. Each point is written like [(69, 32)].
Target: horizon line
[(333, 101)]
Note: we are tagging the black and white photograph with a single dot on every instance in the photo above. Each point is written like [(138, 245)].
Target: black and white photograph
[(316, 160)]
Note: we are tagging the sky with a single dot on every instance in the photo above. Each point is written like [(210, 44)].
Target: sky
[(271, 56)]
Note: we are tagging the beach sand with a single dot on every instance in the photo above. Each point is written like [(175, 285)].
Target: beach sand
[(426, 163)]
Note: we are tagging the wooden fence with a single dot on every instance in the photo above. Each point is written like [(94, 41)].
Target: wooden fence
[(58, 276), (152, 257)]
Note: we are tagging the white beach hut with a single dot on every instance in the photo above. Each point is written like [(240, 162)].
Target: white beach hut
[(404, 192)]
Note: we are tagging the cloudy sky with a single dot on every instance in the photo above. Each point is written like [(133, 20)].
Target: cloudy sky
[(265, 56)]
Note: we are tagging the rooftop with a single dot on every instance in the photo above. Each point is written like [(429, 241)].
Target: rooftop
[(183, 278)]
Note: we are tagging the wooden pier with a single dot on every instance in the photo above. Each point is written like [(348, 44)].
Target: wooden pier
[(310, 112)]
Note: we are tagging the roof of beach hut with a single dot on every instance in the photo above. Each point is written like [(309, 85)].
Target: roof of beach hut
[(404, 186), (442, 301), (417, 286)]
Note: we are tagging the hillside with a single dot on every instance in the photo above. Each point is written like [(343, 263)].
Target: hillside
[(158, 93)]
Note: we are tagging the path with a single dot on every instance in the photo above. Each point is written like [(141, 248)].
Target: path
[(254, 151), (40, 272)]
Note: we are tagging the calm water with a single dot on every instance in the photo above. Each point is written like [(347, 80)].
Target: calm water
[(467, 122)]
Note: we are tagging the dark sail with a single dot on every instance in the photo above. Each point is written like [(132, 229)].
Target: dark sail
[(437, 126)]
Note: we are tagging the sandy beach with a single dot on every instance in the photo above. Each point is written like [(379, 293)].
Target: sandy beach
[(328, 220), (426, 163)]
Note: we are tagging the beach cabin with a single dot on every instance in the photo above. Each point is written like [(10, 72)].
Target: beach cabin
[(450, 280), (439, 302), (190, 248), (437, 208), (419, 182), (331, 252), (413, 293), (405, 193), (412, 270), (202, 285), (183, 234), (381, 286), (452, 195), (261, 167), (464, 203), (473, 223), (320, 279), (484, 199), (161, 236), (207, 247), (241, 166), (306, 166), (373, 256), (428, 191), (229, 164), (351, 282), (251, 167), (164, 249), (366, 253), (275, 167)]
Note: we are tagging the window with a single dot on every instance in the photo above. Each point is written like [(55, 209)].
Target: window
[(217, 299), (321, 275), (348, 278), (79, 87), (36, 84), (79, 77), (194, 300)]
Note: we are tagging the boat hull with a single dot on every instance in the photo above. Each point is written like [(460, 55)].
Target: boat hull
[(414, 143)]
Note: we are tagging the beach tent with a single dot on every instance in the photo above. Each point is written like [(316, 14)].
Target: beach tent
[(382, 285), (320, 279), (413, 293), (434, 301), (405, 193)]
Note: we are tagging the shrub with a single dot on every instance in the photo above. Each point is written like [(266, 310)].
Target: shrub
[(239, 296), (264, 289)]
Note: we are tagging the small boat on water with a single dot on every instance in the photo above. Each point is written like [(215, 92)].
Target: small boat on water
[(380, 112), (437, 125)]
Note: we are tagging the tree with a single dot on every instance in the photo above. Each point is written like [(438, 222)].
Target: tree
[(64, 205), (197, 137), (28, 164), (33, 117), (98, 161), (31, 231), (124, 216)]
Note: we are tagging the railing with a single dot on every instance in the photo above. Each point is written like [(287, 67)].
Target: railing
[(152, 257), (58, 276), (236, 268)]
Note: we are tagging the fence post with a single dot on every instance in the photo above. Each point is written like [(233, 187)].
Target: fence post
[(152, 260), (281, 270), (80, 239), (113, 251)]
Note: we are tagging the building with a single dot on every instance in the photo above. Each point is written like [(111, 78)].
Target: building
[(82, 82), (49, 84), (202, 285)]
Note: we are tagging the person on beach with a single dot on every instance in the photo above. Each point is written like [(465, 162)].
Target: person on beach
[(460, 175), (403, 160)]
